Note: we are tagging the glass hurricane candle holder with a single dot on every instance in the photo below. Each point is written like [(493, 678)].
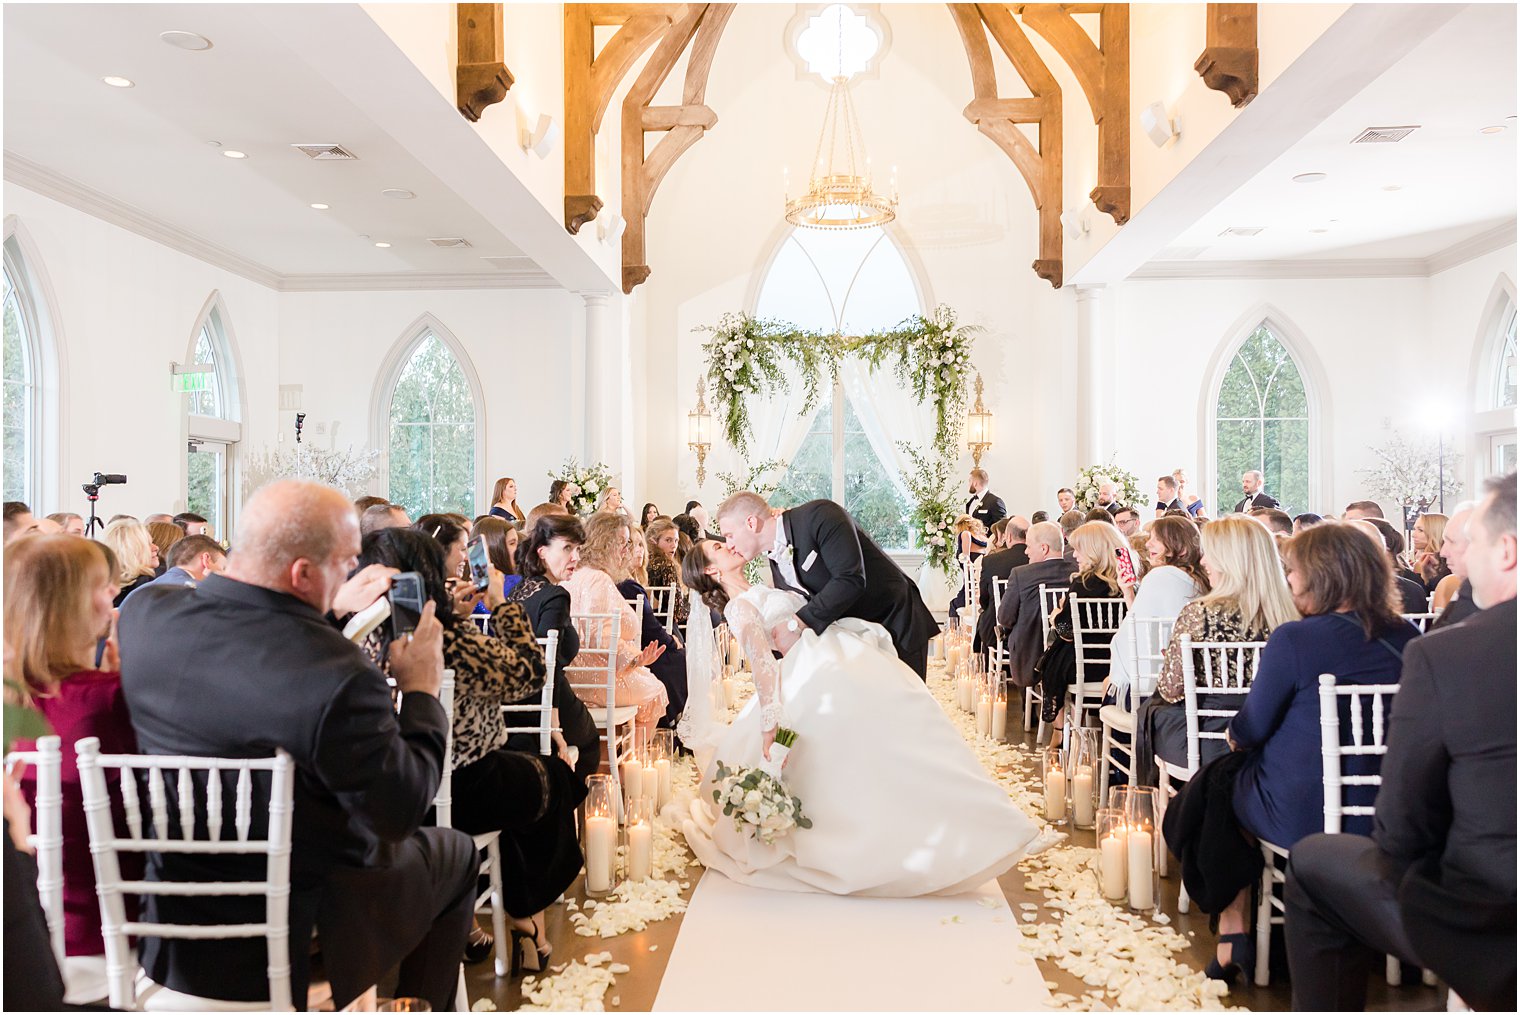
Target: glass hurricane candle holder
[(664, 754), (1082, 763), (1113, 854), (1053, 779), (1144, 838), (1000, 710), (600, 842), (640, 835)]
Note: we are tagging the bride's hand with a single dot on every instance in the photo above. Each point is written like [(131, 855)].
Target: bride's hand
[(784, 639), (767, 737)]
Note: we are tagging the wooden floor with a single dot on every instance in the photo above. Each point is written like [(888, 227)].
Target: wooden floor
[(636, 990)]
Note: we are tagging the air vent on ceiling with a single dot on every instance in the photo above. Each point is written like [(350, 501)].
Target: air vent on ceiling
[(1384, 135), (1242, 230), (326, 152), (448, 242), (1180, 253)]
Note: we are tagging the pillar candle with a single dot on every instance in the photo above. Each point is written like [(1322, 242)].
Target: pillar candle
[(662, 766), (1141, 895), (1055, 795), (633, 782), (601, 846), (984, 716), (1082, 797), (729, 692), (1112, 863), (1000, 719), (640, 850), (649, 788)]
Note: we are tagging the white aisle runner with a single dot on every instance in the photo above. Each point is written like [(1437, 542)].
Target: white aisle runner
[(747, 949)]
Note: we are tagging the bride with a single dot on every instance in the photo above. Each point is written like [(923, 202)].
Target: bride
[(899, 804)]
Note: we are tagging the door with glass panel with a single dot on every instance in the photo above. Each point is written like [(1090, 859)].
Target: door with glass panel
[(208, 474), (1501, 454)]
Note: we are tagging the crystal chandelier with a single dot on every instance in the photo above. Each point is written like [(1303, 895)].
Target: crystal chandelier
[(839, 194)]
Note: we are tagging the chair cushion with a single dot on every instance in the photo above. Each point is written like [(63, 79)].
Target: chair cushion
[(1118, 718)]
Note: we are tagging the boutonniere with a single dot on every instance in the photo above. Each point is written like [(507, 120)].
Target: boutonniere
[(787, 553)]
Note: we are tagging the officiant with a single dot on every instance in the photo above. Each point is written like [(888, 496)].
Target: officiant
[(984, 505)]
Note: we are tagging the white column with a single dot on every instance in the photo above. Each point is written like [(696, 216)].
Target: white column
[(600, 379), (1093, 409)]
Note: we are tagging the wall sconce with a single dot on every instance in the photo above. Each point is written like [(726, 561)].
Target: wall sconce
[(1159, 125), (699, 430), (610, 227), (978, 427), (538, 139)]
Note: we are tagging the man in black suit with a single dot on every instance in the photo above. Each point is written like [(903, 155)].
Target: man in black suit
[(1108, 496), (1435, 885), (1254, 485), (250, 661), (1012, 553), (1019, 614), (817, 549), (1166, 496), (983, 505)]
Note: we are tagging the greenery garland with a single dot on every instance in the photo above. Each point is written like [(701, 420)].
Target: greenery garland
[(746, 355), (935, 504)]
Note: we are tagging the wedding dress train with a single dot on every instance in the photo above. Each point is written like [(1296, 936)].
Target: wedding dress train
[(900, 805)]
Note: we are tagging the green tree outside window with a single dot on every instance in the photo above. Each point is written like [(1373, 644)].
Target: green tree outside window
[(1261, 421), (432, 434)]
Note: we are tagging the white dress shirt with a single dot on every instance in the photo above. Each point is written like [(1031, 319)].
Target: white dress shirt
[(781, 555)]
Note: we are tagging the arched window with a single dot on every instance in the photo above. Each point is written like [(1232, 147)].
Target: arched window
[(432, 420), (852, 282), (21, 356), (1502, 396), (213, 408), (1262, 422)]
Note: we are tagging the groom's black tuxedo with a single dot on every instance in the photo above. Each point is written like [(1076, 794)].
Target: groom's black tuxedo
[(845, 574)]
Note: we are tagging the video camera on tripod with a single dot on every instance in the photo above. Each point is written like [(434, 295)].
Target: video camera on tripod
[(92, 493)]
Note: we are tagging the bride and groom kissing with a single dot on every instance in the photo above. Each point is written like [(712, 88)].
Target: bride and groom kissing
[(900, 805)]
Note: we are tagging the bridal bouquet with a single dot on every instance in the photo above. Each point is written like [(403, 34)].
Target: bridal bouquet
[(757, 797)]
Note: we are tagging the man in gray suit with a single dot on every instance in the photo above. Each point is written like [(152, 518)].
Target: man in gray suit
[(1019, 613)]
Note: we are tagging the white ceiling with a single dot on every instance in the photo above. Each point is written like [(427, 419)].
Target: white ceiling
[(1455, 183), (147, 146)]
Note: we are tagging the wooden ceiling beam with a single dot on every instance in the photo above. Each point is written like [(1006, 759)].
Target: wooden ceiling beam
[(481, 79), (1230, 60)]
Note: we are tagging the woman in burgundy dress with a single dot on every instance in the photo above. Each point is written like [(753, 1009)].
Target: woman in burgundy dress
[(58, 592)]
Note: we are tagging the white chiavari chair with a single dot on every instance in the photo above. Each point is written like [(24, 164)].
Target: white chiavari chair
[(1421, 620), (47, 815), (997, 651), (482, 621), (1034, 697), (1091, 619), (544, 709), (167, 824), (636, 604), (1147, 639), (594, 674), (662, 599)]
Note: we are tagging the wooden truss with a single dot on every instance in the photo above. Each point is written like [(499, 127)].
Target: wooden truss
[(481, 79), (1230, 61)]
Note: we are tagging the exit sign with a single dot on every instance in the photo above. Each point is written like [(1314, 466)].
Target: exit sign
[(187, 380)]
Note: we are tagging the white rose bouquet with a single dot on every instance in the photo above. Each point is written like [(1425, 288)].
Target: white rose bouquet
[(585, 483), (757, 797)]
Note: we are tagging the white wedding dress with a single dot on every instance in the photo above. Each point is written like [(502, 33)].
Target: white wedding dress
[(900, 806)]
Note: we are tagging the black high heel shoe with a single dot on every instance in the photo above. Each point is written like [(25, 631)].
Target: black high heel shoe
[(478, 946), (1242, 960), (525, 945)]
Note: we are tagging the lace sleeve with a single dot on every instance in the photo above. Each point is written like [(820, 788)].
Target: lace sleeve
[(746, 623)]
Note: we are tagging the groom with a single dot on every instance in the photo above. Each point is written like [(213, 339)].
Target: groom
[(817, 549)]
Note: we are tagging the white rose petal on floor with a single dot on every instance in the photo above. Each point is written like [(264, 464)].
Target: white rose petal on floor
[(747, 949)]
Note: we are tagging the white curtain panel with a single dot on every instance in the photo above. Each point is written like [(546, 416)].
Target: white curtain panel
[(779, 424)]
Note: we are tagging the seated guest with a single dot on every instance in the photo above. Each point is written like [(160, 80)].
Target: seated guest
[(1425, 542), (69, 522), (528, 798), (502, 539), (648, 515), (192, 524), (704, 524), (1127, 520), (1435, 884), (136, 555), (157, 518), (58, 594), (453, 534), (1412, 594), (1096, 577), (190, 560), (611, 499), (1306, 521), (1019, 613), (549, 553), (504, 502), (1014, 552), (593, 590), (1453, 596), (384, 515), (539, 510), (164, 536), (1360, 509), (663, 539), (1166, 496), (1277, 521), (688, 527), (1070, 522), (1098, 514), (1175, 578), (1190, 502), (1248, 599), (670, 668), (363, 504), (1351, 627), (248, 662)]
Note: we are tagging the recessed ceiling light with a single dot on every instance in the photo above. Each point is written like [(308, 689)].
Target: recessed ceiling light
[(1497, 128), (1319, 230), (1309, 177), (399, 195), (118, 82), (1394, 186), (319, 206), (381, 244), (233, 153), (186, 40)]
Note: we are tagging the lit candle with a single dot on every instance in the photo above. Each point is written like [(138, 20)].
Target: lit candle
[(1111, 865), (984, 716), (1055, 795), (1000, 718), (650, 787), (662, 766), (1141, 895), (1082, 797), (730, 692), (632, 783), (601, 846), (640, 850)]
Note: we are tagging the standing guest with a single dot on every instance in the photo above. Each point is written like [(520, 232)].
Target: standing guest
[(1066, 500), (18, 520), (190, 560), (1018, 615), (1175, 578), (611, 500), (1166, 496), (249, 662), (1096, 577), (58, 595), (1108, 495), (1190, 502), (192, 523), (1435, 884), (1351, 627), (999, 564), (504, 501), (164, 536), (69, 522), (670, 668), (136, 555), (1426, 539), (548, 555), (1254, 485), (648, 515), (501, 539), (1127, 520), (983, 505), (530, 799), (664, 538), (561, 492), (1453, 597), (1360, 509), (1306, 521), (593, 590), (970, 543), (704, 523), (383, 515)]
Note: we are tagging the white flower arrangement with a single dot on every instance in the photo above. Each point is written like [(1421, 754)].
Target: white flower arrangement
[(934, 506), (1411, 473), (1127, 487), (585, 484), (757, 798), (349, 470)]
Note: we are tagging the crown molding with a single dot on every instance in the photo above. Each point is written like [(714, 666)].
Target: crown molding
[(1486, 242), (39, 179), (1370, 268)]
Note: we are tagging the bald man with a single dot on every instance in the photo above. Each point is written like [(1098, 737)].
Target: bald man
[(253, 659)]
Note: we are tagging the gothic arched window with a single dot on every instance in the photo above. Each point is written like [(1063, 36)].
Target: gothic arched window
[(1262, 422), (431, 444)]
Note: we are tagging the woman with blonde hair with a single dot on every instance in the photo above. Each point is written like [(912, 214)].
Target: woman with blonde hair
[(604, 558), (164, 536), (970, 542), (670, 668), (136, 555), (1096, 577), (664, 541), (1426, 540), (58, 594), (504, 502)]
